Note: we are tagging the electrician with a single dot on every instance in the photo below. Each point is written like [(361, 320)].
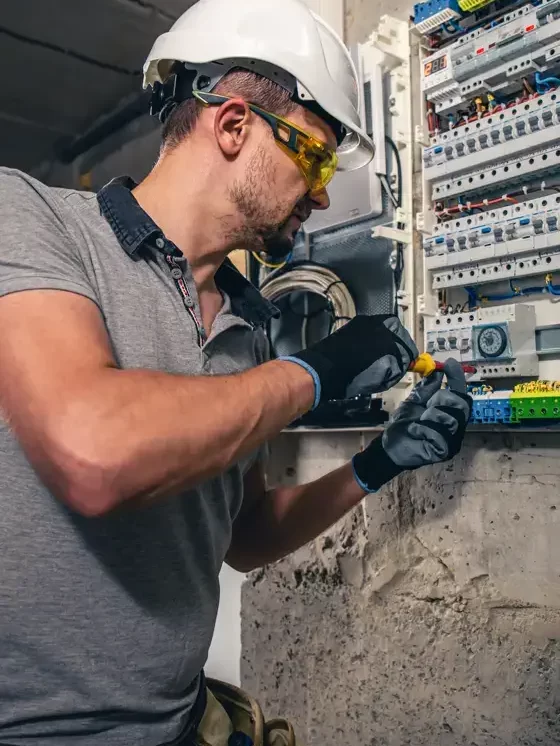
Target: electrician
[(135, 392)]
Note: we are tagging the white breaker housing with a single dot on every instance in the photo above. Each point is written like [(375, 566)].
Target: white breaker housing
[(499, 341), (490, 223)]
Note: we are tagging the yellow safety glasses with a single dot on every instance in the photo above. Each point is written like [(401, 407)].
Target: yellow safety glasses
[(315, 159)]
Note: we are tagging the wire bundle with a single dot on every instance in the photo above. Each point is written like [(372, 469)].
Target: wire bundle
[(318, 280)]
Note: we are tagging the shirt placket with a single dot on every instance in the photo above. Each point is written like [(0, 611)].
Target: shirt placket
[(188, 300)]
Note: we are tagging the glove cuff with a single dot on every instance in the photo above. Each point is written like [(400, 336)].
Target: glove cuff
[(373, 468), (312, 372)]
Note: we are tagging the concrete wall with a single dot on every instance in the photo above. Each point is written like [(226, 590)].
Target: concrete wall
[(431, 614)]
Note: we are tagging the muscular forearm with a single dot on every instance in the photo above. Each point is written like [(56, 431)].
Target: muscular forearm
[(286, 518), (142, 434)]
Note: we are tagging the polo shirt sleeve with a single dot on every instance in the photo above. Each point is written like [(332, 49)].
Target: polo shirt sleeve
[(38, 244)]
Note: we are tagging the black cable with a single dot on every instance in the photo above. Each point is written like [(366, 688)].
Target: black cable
[(336, 282), (398, 269), (310, 314), (391, 143)]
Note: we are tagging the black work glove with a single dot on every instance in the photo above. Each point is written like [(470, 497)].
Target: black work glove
[(427, 428), (368, 355)]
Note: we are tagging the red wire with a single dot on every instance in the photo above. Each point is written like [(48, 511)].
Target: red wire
[(465, 207)]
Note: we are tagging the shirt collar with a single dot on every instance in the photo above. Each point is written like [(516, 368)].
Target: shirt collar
[(135, 229)]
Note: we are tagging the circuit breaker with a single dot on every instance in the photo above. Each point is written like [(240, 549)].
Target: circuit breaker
[(499, 341), (490, 220)]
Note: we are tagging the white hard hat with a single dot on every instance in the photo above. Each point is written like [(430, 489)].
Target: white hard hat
[(285, 42)]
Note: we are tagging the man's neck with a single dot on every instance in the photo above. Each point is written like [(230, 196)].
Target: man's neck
[(191, 213)]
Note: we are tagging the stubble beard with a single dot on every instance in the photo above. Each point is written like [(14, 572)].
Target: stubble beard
[(261, 230)]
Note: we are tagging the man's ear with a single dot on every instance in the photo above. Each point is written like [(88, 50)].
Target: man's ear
[(231, 126)]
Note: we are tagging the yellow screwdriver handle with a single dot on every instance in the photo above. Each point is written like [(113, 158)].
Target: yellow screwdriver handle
[(424, 365)]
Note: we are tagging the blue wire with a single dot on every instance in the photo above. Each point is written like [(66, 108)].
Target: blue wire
[(474, 298), (544, 84)]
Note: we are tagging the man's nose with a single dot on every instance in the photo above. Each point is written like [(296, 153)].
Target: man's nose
[(320, 200)]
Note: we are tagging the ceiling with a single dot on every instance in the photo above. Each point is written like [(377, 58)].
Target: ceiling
[(68, 62)]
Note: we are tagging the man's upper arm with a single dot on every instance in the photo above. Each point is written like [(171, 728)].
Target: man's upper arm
[(38, 248), (52, 336)]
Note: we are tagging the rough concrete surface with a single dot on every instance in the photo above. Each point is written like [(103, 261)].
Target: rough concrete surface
[(431, 615)]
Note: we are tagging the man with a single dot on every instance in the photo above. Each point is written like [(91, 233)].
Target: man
[(135, 392)]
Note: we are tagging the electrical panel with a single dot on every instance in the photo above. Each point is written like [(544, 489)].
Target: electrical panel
[(490, 219), (357, 195), (498, 341)]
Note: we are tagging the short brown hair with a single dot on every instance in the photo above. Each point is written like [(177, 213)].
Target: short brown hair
[(250, 86)]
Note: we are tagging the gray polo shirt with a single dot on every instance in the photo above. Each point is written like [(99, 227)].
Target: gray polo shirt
[(105, 623)]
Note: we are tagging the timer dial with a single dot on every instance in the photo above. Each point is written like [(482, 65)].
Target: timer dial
[(492, 341)]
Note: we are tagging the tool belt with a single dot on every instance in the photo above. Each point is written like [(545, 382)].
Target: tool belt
[(233, 718)]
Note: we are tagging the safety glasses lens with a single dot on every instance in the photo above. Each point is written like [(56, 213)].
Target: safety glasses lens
[(318, 163)]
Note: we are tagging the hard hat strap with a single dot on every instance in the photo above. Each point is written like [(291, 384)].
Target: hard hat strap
[(186, 77)]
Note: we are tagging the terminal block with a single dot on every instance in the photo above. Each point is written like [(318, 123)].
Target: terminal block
[(515, 408), (541, 406), (493, 408), (430, 15), (499, 341), (469, 6)]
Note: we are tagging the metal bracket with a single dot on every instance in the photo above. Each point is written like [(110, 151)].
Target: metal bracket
[(392, 234), (419, 136), (404, 299), (391, 41), (425, 222), (427, 305)]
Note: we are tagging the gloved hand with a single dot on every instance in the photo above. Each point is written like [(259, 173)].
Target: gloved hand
[(368, 355), (427, 428)]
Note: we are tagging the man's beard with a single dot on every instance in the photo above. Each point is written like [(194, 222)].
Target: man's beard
[(261, 231), (278, 244)]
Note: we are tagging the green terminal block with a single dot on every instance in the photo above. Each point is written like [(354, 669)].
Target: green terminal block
[(539, 406)]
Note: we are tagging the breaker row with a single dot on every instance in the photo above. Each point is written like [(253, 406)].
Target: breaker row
[(499, 341), (504, 35), (502, 77), (513, 242), (523, 127), (495, 60), (495, 172)]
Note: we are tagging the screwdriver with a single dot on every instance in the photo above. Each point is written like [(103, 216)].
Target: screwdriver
[(425, 364)]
